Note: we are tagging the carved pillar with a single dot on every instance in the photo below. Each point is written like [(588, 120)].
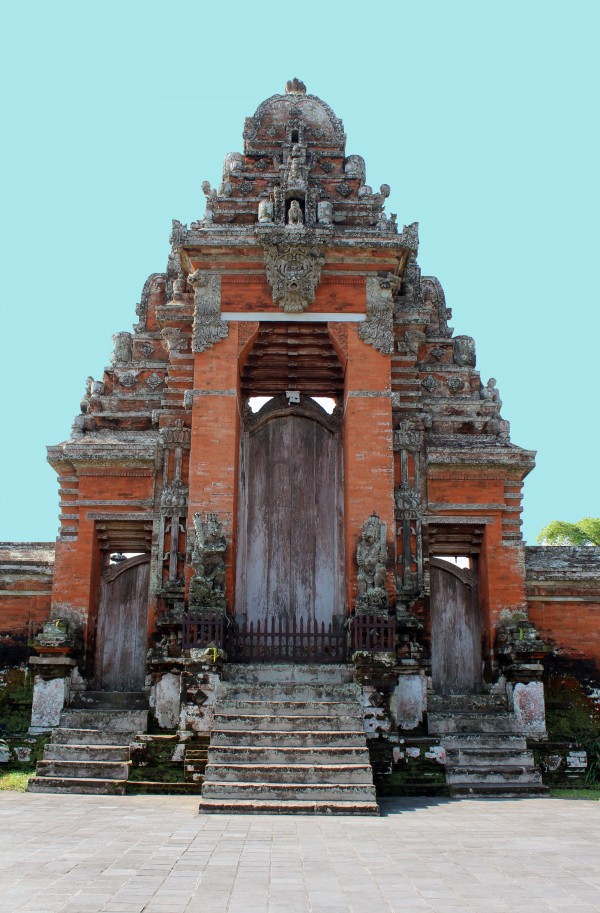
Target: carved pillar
[(173, 507), (368, 450), (409, 512)]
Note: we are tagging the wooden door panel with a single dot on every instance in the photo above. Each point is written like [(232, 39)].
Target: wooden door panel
[(455, 629), (290, 538), (122, 626)]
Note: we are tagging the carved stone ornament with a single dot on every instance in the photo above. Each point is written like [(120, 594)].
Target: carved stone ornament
[(430, 383), (326, 165), (128, 379), (407, 499), (207, 587), (438, 353), (146, 349), (464, 351), (378, 328), (344, 189), (455, 383), (407, 437), (208, 326), (154, 381), (173, 500), (294, 256), (176, 435), (371, 557), (123, 348)]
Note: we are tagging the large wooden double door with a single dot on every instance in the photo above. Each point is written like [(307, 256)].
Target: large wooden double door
[(290, 530)]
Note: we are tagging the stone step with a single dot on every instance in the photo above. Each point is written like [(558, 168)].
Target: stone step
[(498, 791), (96, 770), (491, 757), (308, 791), (89, 737), (465, 776), (286, 807), (265, 708), (282, 691), (75, 753), (288, 738), (246, 754), (466, 703), (302, 673), (109, 700), (76, 785), (285, 722), (484, 740), (197, 755), (106, 720), (442, 723), (285, 773)]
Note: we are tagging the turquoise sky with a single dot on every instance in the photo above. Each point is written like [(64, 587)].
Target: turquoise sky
[(482, 117)]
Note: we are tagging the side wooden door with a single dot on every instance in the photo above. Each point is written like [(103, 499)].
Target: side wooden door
[(121, 633), (455, 629)]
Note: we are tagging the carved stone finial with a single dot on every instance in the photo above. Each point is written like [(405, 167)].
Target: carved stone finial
[(295, 216), (295, 86)]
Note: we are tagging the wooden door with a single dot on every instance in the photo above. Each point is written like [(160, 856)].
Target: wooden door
[(122, 625), (455, 629), (290, 545)]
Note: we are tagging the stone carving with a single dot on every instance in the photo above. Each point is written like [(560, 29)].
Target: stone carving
[(344, 189), (455, 383), (413, 339), (177, 236), (154, 381), (172, 337), (176, 435), (123, 348), (294, 256), (378, 328), (407, 499), (295, 176), (430, 383), (209, 329), (438, 353), (354, 167), (326, 165), (464, 351), (173, 500), (262, 164), (211, 201), (295, 86), (128, 379), (406, 437), (490, 392), (265, 209), (325, 212), (232, 164), (295, 216), (146, 349), (246, 188), (54, 634), (207, 588), (371, 557)]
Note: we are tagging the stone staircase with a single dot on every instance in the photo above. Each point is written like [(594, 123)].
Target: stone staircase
[(89, 751), (288, 739), (485, 753)]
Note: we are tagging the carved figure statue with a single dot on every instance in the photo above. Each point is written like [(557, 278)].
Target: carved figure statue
[(211, 200), (490, 392), (371, 557), (296, 158), (354, 167), (207, 588), (295, 216)]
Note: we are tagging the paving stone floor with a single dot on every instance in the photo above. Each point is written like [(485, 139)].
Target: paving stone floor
[(155, 854)]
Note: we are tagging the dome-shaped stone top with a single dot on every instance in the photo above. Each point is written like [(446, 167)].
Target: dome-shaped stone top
[(294, 117)]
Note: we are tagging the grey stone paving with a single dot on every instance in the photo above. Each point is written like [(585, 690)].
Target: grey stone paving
[(155, 854)]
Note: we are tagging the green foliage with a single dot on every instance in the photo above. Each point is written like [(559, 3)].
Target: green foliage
[(560, 532), (15, 780), (558, 793)]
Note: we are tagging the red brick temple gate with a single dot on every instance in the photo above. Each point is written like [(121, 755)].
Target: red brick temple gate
[(382, 537)]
